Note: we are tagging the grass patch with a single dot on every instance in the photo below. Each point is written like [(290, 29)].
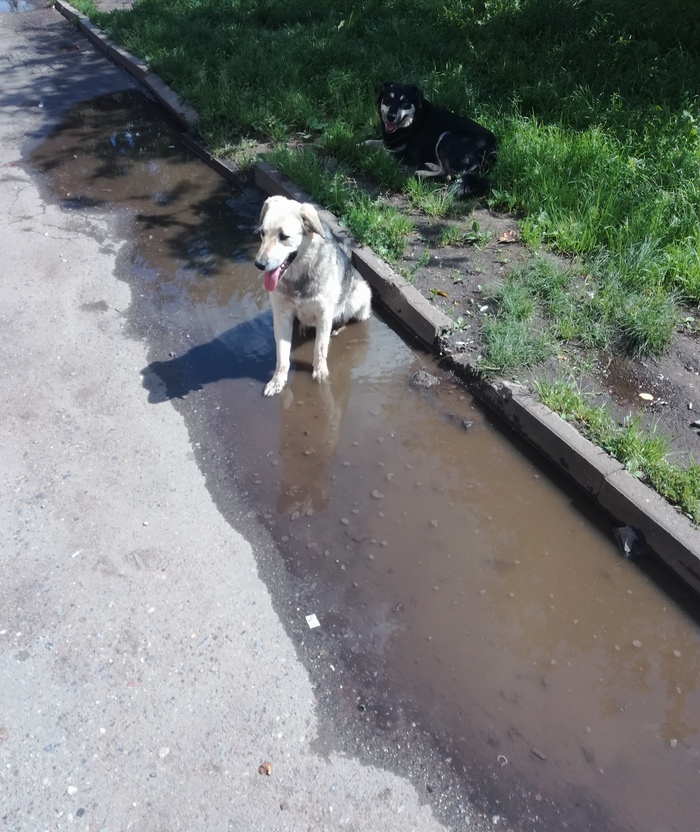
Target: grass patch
[(597, 111), (538, 308), (511, 344), (371, 222), (642, 451), (569, 305), (456, 235)]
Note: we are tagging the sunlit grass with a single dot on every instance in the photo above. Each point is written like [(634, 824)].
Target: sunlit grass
[(597, 111)]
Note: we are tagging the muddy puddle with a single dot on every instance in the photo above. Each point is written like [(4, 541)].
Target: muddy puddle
[(21, 5), (473, 610)]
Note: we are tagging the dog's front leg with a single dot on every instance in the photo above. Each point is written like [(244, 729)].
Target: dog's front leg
[(283, 325), (324, 324), (374, 143)]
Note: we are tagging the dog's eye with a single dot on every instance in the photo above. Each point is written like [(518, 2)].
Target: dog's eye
[(283, 236)]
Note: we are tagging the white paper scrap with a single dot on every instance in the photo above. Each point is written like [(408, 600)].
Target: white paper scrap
[(312, 621)]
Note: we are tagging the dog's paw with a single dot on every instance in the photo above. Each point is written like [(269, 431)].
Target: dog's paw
[(274, 386), (320, 374)]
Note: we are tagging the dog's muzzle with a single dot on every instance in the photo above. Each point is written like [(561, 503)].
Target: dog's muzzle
[(271, 277), (401, 119)]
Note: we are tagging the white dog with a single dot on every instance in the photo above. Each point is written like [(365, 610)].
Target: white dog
[(310, 277)]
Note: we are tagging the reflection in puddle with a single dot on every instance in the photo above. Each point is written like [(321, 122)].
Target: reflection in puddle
[(462, 593), (310, 421), (21, 5)]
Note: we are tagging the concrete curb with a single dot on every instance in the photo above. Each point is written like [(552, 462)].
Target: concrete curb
[(670, 535), (158, 88)]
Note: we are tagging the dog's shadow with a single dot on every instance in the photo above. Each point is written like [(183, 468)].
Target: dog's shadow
[(246, 350), (310, 414)]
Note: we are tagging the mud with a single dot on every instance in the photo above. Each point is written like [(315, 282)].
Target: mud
[(478, 628), (458, 279)]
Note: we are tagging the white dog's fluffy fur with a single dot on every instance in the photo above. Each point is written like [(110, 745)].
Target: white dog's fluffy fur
[(310, 277)]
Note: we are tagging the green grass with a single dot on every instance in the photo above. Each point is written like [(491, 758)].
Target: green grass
[(565, 305), (371, 222), (596, 104), (642, 451)]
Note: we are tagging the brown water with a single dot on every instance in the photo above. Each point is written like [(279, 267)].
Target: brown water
[(474, 612)]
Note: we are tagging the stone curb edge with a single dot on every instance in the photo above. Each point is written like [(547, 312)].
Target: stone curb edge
[(669, 534)]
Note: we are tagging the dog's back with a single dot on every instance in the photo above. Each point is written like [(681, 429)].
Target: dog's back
[(435, 121)]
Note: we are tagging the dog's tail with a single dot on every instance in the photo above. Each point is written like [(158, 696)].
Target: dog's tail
[(470, 180), (470, 185)]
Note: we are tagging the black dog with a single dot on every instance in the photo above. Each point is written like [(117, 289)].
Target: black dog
[(434, 140)]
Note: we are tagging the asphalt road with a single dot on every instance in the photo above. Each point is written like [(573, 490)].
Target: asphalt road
[(144, 675)]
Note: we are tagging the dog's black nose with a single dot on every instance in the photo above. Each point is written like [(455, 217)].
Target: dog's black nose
[(259, 265)]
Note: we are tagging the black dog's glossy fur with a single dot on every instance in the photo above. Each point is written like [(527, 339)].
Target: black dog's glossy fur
[(436, 141)]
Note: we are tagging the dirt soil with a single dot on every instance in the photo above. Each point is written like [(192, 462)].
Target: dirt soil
[(455, 279)]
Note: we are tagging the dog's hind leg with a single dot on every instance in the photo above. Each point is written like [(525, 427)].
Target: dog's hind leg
[(431, 170), (360, 301), (283, 323)]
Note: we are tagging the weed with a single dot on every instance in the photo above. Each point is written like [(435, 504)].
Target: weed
[(424, 259), (434, 201), (453, 235), (641, 450), (450, 235), (476, 237), (511, 344)]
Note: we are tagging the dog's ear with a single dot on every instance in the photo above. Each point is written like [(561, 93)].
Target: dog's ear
[(263, 211), (382, 91), (310, 218)]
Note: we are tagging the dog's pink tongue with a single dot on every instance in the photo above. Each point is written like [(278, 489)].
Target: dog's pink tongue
[(271, 279), (389, 127)]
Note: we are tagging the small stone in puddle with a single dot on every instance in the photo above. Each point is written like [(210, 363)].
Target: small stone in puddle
[(424, 379)]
